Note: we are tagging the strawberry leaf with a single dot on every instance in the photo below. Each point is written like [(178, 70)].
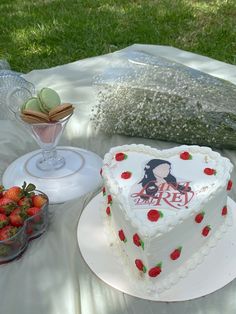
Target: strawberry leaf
[(30, 187), (142, 244)]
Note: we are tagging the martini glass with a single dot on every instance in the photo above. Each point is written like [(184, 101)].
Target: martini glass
[(47, 135), (63, 173)]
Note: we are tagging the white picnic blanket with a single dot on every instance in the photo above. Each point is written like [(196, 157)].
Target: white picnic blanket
[(51, 277)]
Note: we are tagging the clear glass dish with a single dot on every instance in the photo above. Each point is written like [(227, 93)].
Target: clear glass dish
[(33, 227), (11, 81)]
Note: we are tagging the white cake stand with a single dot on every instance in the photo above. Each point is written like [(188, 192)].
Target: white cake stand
[(62, 173), (203, 280), (79, 175)]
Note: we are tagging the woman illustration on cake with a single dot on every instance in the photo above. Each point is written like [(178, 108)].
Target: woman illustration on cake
[(158, 176)]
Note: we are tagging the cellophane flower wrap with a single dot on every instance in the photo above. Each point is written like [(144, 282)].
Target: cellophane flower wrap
[(153, 97)]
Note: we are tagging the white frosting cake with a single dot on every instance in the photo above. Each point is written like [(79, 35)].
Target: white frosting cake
[(166, 208)]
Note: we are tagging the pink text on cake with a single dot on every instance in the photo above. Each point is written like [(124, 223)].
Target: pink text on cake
[(168, 193)]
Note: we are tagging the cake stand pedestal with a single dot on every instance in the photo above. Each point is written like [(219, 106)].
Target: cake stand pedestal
[(79, 175)]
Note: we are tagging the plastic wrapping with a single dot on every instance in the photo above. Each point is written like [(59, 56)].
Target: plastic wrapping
[(153, 97)]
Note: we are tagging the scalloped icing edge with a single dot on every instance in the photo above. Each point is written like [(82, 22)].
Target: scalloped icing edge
[(155, 289), (114, 188)]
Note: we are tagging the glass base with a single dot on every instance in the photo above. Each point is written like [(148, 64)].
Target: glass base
[(73, 161), (52, 163), (79, 175)]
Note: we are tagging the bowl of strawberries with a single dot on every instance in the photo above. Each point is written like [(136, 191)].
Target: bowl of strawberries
[(23, 217)]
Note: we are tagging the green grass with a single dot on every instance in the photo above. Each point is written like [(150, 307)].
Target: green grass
[(41, 34)]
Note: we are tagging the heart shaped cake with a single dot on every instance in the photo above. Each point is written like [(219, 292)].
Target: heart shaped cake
[(166, 208)]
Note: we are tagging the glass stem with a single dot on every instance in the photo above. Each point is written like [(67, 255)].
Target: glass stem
[(49, 156), (50, 160)]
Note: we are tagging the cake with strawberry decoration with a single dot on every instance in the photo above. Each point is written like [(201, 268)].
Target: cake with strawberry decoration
[(165, 208)]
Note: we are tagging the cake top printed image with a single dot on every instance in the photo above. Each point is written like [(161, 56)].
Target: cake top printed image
[(159, 187), (176, 182)]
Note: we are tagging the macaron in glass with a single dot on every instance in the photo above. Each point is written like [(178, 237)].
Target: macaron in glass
[(31, 104), (49, 99)]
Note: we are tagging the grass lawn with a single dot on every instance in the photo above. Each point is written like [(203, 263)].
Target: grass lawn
[(45, 33)]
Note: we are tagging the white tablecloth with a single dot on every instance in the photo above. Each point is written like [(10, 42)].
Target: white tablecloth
[(51, 277)]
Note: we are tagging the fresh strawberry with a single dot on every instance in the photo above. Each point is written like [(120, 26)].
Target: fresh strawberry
[(25, 201), (122, 236), (108, 211), (206, 230), (176, 253), (137, 241), (185, 156), (3, 220), (154, 215), (126, 175), (39, 200), (17, 217), (140, 266), (29, 228), (5, 201), (199, 217), (120, 156), (14, 193), (210, 171), (155, 271), (32, 211), (6, 205), (7, 232), (229, 185), (224, 211), (104, 191)]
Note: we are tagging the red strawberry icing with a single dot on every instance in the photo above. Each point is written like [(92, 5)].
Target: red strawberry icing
[(108, 211), (126, 175), (155, 271), (229, 185), (154, 215), (122, 235), (176, 253), (109, 199), (140, 266), (199, 217), (224, 211), (185, 156), (120, 156), (209, 171), (206, 230), (137, 241)]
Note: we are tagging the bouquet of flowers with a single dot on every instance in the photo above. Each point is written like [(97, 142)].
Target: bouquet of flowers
[(153, 97)]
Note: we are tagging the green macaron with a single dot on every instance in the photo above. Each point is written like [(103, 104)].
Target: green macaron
[(31, 104), (48, 98)]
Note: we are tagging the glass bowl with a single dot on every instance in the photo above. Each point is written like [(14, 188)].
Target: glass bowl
[(33, 227), (11, 81)]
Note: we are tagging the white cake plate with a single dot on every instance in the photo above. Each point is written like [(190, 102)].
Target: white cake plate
[(205, 279), (79, 175)]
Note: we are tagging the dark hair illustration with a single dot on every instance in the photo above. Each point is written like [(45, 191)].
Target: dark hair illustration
[(149, 179)]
